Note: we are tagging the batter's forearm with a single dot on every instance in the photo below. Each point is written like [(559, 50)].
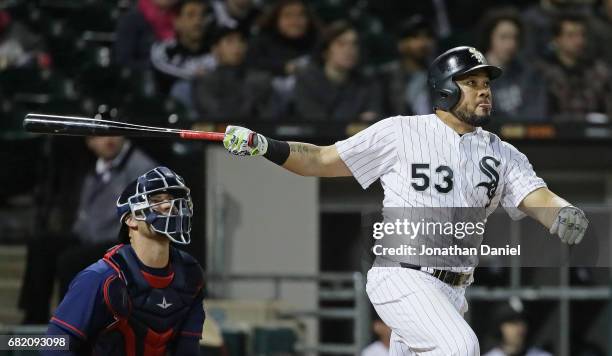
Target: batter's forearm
[(546, 216), (543, 205), (300, 158), (304, 159)]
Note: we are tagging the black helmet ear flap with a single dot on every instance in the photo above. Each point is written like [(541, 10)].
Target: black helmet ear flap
[(446, 96)]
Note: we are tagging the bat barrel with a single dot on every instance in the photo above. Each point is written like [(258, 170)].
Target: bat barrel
[(65, 127), (83, 126)]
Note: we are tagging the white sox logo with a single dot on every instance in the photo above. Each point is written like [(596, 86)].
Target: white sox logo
[(489, 171), (476, 54)]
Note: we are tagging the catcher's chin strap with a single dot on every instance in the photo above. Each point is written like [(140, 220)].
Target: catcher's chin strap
[(150, 218)]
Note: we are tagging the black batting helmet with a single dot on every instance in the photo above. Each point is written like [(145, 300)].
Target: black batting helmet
[(445, 93)]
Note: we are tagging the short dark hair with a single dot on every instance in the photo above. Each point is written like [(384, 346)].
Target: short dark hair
[(268, 22), (557, 25), (490, 21), (330, 34), (183, 3), (415, 25), (124, 234), (223, 31)]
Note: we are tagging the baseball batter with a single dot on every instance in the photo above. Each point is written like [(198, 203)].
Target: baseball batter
[(442, 160)]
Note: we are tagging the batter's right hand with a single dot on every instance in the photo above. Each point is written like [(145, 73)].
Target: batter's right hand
[(570, 225), (241, 141)]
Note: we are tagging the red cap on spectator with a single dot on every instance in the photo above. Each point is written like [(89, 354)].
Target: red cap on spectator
[(44, 60), (5, 20)]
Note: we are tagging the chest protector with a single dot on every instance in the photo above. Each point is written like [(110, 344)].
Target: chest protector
[(148, 310)]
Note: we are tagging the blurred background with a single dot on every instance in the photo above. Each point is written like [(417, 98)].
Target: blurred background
[(285, 262)]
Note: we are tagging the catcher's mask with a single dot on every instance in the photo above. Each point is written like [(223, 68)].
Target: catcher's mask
[(161, 199)]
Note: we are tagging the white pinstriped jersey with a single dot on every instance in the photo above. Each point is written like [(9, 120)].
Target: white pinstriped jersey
[(423, 163), (424, 314)]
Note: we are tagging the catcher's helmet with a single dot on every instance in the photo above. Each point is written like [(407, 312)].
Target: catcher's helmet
[(445, 93), (173, 222)]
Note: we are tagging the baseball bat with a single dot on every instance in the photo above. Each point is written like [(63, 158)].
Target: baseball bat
[(84, 126)]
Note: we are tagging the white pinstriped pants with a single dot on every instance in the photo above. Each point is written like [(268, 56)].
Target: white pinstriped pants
[(424, 314)]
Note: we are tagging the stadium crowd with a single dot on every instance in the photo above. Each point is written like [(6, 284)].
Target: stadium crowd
[(295, 60)]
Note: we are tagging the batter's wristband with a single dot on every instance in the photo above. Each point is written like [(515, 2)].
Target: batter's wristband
[(278, 151)]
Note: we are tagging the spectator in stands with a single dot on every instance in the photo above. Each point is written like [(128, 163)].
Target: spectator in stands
[(437, 12), (406, 91), (149, 21), (94, 230), (332, 88), (602, 31), (380, 347), (289, 32), (231, 91), (538, 19), (288, 35), (517, 95), (19, 47), (578, 86), (512, 332), (236, 14), (186, 56)]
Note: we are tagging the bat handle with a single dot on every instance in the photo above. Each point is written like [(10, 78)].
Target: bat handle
[(214, 136), (253, 140), (200, 135)]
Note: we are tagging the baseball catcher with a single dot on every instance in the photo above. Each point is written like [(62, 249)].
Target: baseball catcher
[(144, 297)]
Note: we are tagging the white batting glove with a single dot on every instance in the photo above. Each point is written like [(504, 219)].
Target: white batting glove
[(241, 141), (570, 224)]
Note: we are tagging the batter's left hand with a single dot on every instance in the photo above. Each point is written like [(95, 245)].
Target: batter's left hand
[(241, 141), (570, 224)]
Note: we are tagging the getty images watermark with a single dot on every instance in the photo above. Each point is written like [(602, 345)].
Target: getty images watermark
[(434, 238)]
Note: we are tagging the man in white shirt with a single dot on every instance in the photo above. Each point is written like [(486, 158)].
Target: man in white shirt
[(442, 161)]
